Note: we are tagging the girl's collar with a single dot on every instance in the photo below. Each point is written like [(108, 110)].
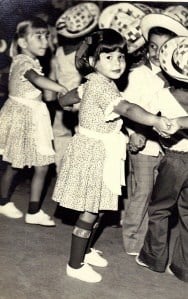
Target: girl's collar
[(25, 55), (100, 76)]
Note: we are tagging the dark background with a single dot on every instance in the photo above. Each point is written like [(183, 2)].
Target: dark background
[(13, 11)]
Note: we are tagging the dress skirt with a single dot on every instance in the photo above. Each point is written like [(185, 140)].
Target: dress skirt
[(80, 185), (18, 144)]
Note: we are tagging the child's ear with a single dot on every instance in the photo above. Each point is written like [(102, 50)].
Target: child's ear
[(22, 43), (91, 61)]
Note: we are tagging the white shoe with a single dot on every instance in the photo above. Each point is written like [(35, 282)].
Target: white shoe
[(132, 253), (168, 270), (10, 211), (40, 218), (94, 258), (139, 262), (85, 273)]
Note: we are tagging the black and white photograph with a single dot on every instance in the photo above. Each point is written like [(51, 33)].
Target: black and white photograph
[(93, 149)]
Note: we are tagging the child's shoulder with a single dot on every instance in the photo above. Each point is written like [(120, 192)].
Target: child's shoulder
[(140, 71), (22, 63)]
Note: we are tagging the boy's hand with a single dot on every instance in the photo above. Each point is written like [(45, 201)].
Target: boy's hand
[(136, 142), (163, 126), (174, 127)]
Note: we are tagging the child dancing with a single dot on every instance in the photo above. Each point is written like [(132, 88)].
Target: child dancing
[(25, 127), (91, 175), (171, 187)]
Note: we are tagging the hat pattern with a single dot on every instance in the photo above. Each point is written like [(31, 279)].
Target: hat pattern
[(174, 58), (124, 18), (180, 58), (78, 20), (178, 12)]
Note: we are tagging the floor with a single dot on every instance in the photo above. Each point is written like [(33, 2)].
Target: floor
[(33, 261)]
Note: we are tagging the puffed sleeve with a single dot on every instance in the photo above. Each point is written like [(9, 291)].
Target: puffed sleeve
[(109, 113), (24, 64), (106, 95)]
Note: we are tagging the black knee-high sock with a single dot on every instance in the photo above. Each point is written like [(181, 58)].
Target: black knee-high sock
[(93, 235), (4, 201), (80, 236), (34, 207)]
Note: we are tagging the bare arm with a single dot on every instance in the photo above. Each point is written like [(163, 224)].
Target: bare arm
[(43, 82), (50, 95), (178, 124), (183, 122), (70, 98), (139, 115)]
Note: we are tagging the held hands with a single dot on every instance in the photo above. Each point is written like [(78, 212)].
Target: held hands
[(63, 91), (166, 127)]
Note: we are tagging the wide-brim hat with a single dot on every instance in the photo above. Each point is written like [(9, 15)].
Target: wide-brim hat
[(78, 20), (178, 11), (124, 18), (173, 58), (162, 20)]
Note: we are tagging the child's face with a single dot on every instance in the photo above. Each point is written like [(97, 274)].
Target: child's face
[(155, 43), (36, 42), (111, 65)]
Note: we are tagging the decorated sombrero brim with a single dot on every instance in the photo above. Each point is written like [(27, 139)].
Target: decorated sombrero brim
[(78, 20), (178, 11), (162, 20), (144, 7), (124, 18), (174, 58)]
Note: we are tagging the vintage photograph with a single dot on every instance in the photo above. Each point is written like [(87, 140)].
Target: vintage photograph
[(93, 149)]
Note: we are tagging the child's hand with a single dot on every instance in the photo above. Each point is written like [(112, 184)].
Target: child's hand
[(64, 90), (174, 126), (136, 142), (162, 126)]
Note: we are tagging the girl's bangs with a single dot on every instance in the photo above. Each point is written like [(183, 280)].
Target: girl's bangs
[(122, 47)]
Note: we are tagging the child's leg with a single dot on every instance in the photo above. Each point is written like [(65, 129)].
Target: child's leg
[(80, 236), (8, 208), (92, 238), (179, 262), (35, 215), (37, 184), (93, 256), (6, 182)]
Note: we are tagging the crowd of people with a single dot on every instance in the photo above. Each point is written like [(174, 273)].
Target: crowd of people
[(101, 89)]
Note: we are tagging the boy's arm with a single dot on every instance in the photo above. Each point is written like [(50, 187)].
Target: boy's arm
[(177, 124), (70, 98)]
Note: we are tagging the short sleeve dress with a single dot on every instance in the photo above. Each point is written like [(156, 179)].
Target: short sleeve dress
[(80, 184), (25, 127)]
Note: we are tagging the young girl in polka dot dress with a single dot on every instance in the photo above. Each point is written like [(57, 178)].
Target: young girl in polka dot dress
[(92, 170), (25, 127)]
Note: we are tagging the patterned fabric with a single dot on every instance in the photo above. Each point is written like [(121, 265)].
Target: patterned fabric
[(80, 184), (17, 125)]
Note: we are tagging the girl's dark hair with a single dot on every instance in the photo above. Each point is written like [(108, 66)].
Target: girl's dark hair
[(104, 40), (161, 31), (22, 30)]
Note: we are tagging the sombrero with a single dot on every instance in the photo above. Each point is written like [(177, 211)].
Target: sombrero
[(171, 18), (174, 58), (78, 20), (124, 18)]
